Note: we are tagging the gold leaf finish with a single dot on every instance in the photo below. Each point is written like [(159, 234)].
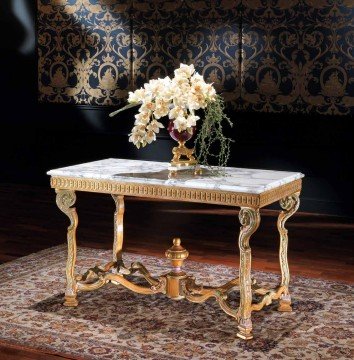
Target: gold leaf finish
[(177, 284), (118, 227), (65, 199), (249, 219), (290, 204), (177, 193)]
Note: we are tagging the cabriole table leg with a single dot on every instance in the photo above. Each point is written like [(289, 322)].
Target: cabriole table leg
[(249, 219), (65, 199), (289, 204)]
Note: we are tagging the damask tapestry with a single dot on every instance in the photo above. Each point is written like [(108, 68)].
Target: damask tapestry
[(262, 55), (298, 56), (84, 51)]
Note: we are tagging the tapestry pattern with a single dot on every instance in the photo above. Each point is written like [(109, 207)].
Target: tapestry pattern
[(298, 56), (262, 55), (205, 33), (84, 51)]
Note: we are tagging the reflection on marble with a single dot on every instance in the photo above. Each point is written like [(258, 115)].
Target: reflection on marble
[(251, 181)]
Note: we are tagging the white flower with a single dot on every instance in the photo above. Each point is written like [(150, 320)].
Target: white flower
[(155, 126), (162, 108), (197, 78), (211, 92), (139, 130), (180, 86), (180, 123), (142, 118), (147, 106), (195, 102), (136, 96), (152, 88), (150, 136), (177, 98), (199, 88), (176, 112), (137, 139), (192, 120), (185, 71), (180, 101)]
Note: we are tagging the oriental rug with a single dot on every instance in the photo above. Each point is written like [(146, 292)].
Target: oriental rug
[(114, 323)]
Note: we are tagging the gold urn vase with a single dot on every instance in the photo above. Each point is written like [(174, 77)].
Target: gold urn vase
[(183, 158)]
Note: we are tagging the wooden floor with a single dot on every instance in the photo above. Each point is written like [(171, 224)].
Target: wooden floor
[(320, 246)]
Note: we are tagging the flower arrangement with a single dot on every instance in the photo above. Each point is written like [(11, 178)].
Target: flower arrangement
[(180, 98)]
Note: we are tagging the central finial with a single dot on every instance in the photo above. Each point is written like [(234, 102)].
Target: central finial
[(177, 254)]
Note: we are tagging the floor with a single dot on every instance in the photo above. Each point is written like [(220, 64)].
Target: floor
[(320, 246)]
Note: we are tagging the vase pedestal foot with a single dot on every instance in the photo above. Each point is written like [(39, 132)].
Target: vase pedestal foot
[(182, 156), (184, 170)]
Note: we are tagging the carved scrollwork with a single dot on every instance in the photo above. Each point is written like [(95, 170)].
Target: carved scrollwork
[(267, 298), (289, 204), (249, 219), (65, 199), (177, 284), (98, 276), (198, 293)]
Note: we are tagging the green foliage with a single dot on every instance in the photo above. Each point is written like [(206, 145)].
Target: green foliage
[(210, 142)]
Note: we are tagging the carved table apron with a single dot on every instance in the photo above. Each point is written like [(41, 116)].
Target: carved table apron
[(248, 189)]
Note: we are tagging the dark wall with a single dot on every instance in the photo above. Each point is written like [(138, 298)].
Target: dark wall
[(37, 137)]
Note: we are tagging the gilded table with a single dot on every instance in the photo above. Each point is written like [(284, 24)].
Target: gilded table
[(248, 189)]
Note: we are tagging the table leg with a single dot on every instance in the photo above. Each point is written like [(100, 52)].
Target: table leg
[(249, 219), (65, 199), (118, 228), (289, 204)]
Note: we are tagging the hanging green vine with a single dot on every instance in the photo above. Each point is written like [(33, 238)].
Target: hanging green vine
[(211, 143)]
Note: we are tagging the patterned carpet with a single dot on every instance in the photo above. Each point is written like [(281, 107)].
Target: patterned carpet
[(114, 323)]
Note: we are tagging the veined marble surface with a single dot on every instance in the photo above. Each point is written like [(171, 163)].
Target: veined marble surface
[(250, 181)]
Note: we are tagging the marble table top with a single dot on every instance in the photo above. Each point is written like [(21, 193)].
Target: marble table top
[(251, 181)]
